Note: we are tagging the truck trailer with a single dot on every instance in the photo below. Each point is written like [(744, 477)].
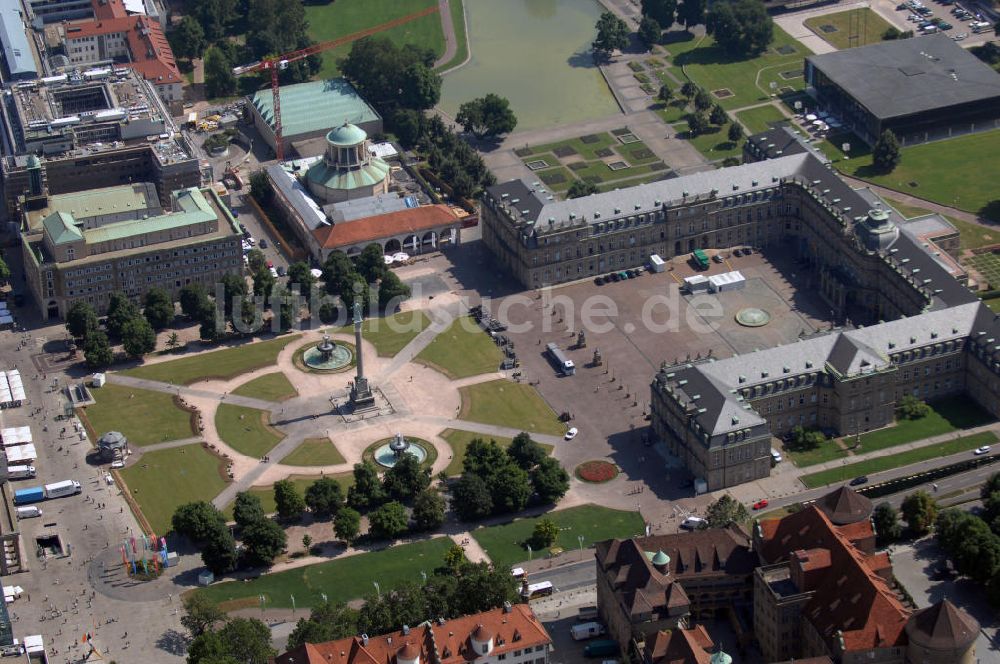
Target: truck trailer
[(49, 491), (563, 363), (35, 494)]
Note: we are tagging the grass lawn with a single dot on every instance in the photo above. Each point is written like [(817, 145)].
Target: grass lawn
[(314, 452), (269, 387), (245, 430), (341, 580), (390, 334), (165, 479), (971, 236), (515, 405), (988, 265), (857, 27), (504, 544), (221, 364), (714, 144), (458, 22), (827, 451), (760, 119), (462, 349), (748, 80), (673, 112), (301, 482), (947, 172), (144, 416), (332, 20), (946, 415), (897, 460), (459, 441), (586, 150)]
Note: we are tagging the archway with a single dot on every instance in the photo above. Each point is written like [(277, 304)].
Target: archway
[(353, 251), (392, 246), (430, 239), (412, 243)]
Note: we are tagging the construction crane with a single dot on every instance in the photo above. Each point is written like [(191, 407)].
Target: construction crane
[(277, 63)]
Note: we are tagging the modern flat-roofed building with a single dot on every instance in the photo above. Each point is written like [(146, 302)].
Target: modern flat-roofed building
[(18, 56), (919, 88), (85, 246), (89, 129)]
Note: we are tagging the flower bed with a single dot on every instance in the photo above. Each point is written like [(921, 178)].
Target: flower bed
[(596, 472)]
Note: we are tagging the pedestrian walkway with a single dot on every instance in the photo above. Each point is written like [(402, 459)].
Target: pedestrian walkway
[(473, 551)]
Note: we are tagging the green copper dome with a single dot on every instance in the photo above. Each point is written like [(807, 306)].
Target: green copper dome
[(661, 559), (721, 658), (346, 135)]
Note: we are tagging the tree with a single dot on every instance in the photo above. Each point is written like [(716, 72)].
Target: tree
[(885, 155), (97, 350), (886, 522), (742, 28), (912, 408), (407, 124), (580, 188), (195, 303), (545, 534), (420, 87), (735, 132), (289, 306), (525, 452), (219, 552), (307, 541), (138, 337), (550, 480), (391, 291), (689, 89), (234, 289), (264, 541), (484, 458), (919, 511), (173, 341), (406, 479), (702, 100), (81, 320), (691, 12), (158, 307), (347, 524), (388, 522), (328, 621), (662, 11), (612, 35), (370, 263), (511, 489), (219, 78), (891, 33), (247, 509), (324, 497), (4, 271), (650, 32), (665, 94), (487, 116), (428, 510), (287, 500), (187, 40), (697, 124), (454, 557), (120, 311), (248, 640), (197, 521), (263, 283), (200, 614), (300, 273), (336, 268), (366, 492), (725, 511), (718, 116), (470, 498), (805, 439)]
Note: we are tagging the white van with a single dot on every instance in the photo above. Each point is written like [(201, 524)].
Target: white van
[(586, 630), (693, 523), (775, 456), (28, 512), (21, 472)]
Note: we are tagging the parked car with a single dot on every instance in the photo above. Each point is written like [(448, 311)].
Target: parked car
[(571, 433), (857, 481), (281, 270), (717, 258), (263, 243), (760, 504), (985, 449), (599, 281)]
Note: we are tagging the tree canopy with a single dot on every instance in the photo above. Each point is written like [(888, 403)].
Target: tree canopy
[(691, 13), (886, 155), (661, 11), (580, 188), (741, 28), (612, 35), (389, 76), (724, 511), (487, 116)]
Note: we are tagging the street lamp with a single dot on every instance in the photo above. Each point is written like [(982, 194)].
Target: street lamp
[(580, 539), (529, 551), (378, 590), (424, 575)]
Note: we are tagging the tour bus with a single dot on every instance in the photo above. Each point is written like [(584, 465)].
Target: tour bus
[(540, 589)]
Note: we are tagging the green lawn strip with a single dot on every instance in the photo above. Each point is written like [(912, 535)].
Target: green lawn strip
[(463, 349), (505, 544), (748, 79), (556, 179), (314, 452), (586, 150), (221, 364), (507, 404), (714, 145), (673, 112), (631, 182), (948, 172), (761, 118), (245, 430), (144, 416), (946, 416), (462, 47), (636, 153), (891, 461), (971, 236), (459, 441), (390, 334), (827, 451), (269, 387), (301, 482), (333, 20), (341, 580), (856, 27), (162, 480)]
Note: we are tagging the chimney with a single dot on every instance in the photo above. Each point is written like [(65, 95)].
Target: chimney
[(406, 630), (364, 639), (507, 607)]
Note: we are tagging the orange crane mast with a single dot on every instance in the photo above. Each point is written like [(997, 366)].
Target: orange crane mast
[(276, 63)]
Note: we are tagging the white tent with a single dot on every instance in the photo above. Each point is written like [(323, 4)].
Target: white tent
[(16, 435), (34, 644), (727, 281), (697, 282), (19, 454)]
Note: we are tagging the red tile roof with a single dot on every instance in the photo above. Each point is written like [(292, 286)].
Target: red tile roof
[(151, 54), (403, 222), (803, 531), (104, 9), (517, 630), (680, 646)]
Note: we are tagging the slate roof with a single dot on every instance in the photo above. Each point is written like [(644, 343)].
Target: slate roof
[(943, 626), (844, 505)]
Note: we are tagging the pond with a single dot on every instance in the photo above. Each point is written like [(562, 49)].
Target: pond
[(536, 53)]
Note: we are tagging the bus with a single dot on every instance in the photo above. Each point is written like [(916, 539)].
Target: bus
[(700, 259), (540, 589)]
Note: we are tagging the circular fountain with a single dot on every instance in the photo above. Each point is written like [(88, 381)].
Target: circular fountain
[(327, 355), (753, 317), (388, 454)]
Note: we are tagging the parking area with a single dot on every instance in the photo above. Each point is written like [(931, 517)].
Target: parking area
[(961, 23)]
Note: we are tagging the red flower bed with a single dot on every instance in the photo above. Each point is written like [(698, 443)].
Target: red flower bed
[(597, 471)]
